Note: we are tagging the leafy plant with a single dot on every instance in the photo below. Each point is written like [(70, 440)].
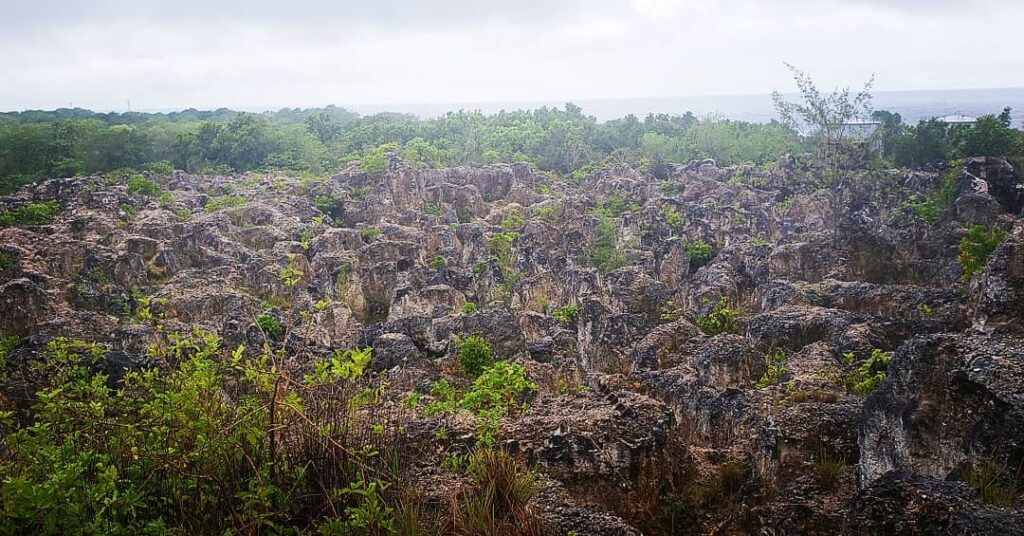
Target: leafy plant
[(474, 353), (866, 376), (369, 233), (30, 214), (290, 275), (775, 361), (975, 248), (138, 184), (699, 253), (269, 325), (721, 319), (676, 219), (566, 314), (469, 308), (498, 389)]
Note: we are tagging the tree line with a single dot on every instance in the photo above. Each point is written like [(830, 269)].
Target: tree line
[(68, 142)]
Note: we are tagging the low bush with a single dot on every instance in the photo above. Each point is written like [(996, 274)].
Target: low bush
[(699, 253), (474, 353), (721, 319), (566, 314), (775, 370), (975, 248), (30, 214)]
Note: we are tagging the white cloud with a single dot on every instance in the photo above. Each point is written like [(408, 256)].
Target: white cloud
[(250, 54)]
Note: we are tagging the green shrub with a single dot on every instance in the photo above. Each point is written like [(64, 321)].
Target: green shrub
[(513, 222), (605, 254), (219, 202), (269, 325), (614, 206), (479, 267), (30, 214), (171, 451), (775, 361), (474, 354), (376, 160), (7, 345), (975, 248), (138, 184), (498, 389), (369, 233), (330, 205), (437, 262), (699, 253), (721, 319), (430, 209), (162, 167), (469, 308), (866, 377), (676, 219), (566, 314), (359, 193)]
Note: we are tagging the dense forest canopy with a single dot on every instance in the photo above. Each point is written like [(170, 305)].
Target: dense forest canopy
[(66, 142)]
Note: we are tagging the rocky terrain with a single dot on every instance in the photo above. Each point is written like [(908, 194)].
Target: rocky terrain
[(681, 389)]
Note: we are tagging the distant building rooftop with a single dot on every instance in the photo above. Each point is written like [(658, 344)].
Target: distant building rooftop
[(958, 119)]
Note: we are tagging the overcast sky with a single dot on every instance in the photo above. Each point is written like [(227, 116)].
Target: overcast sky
[(254, 54)]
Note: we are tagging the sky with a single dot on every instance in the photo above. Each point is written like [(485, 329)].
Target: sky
[(257, 54)]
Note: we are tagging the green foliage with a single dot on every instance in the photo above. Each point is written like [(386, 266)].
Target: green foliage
[(162, 167), (474, 353), (699, 253), (446, 399), (605, 254), (512, 222), (721, 319), (975, 248), (501, 248), (669, 188), (30, 214), (615, 206), (369, 233), (376, 160), (290, 275), (220, 202), (195, 448), (865, 377), (775, 370), (479, 267), (330, 205), (498, 388), (430, 209), (138, 184), (566, 314), (437, 262), (341, 280), (341, 365), (676, 219), (941, 199), (269, 325), (7, 345), (469, 308)]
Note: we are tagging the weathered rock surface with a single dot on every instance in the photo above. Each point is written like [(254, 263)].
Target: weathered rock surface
[(647, 417)]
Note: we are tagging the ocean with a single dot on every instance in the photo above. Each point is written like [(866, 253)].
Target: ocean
[(912, 105)]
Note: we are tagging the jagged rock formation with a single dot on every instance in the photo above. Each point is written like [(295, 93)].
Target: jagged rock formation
[(671, 411)]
